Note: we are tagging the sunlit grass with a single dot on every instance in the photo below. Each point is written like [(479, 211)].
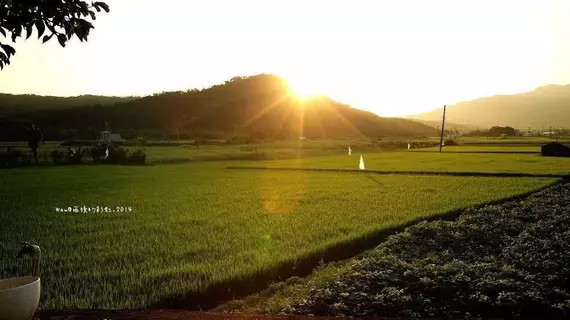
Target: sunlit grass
[(194, 225), (433, 161), (470, 148)]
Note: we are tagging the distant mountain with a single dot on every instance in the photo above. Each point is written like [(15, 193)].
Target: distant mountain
[(448, 125), (258, 107), (544, 107), (11, 104)]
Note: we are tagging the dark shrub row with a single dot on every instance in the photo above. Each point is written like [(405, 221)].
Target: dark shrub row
[(100, 153), (13, 158)]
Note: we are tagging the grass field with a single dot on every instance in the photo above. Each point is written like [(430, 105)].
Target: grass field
[(471, 148), (186, 151), (285, 151), (197, 225), (537, 141), (271, 150), (436, 162), (164, 155)]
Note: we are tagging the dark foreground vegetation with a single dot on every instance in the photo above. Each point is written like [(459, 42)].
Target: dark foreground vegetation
[(135, 152), (501, 261), (73, 153)]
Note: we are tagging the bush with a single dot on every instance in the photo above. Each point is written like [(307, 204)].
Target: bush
[(98, 152), (68, 156), (75, 155), (44, 156), (451, 142), (57, 156), (12, 158), (294, 281), (116, 154), (136, 157), (75, 143), (275, 287)]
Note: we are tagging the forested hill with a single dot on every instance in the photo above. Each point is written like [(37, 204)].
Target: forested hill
[(449, 126), (257, 107), (24, 103)]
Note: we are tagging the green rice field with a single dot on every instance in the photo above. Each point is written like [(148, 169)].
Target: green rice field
[(436, 162), (195, 226), (467, 148)]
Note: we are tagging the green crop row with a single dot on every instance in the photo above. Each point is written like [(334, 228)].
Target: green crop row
[(194, 227)]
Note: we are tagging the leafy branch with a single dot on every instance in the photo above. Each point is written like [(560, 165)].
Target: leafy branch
[(62, 18)]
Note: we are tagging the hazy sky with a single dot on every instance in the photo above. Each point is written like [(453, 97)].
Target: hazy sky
[(392, 57)]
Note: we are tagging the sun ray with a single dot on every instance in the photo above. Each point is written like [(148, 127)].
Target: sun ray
[(263, 111), (334, 109), (310, 113), (285, 116), (347, 122), (302, 90)]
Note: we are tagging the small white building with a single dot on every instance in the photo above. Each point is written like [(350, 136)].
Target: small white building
[(110, 137)]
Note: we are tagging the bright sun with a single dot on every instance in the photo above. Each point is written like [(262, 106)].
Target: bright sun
[(302, 89)]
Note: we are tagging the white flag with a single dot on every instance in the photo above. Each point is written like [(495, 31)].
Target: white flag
[(409, 146), (443, 143), (362, 163), (349, 151)]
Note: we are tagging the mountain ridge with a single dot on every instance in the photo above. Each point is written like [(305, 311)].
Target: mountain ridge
[(542, 107), (256, 107), (21, 103)]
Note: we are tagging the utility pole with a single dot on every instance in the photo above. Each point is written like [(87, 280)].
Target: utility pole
[(550, 132), (442, 129)]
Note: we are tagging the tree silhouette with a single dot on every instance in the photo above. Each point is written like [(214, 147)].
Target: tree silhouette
[(62, 18)]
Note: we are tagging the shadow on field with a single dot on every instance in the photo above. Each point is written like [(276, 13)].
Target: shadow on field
[(478, 152), (373, 179), (427, 173), (241, 287)]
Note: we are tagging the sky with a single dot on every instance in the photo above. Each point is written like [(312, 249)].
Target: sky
[(391, 57)]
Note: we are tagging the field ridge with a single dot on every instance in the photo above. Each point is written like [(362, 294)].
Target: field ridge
[(432, 173)]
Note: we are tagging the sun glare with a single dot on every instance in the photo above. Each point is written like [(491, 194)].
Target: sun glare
[(302, 92), (302, 89)]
